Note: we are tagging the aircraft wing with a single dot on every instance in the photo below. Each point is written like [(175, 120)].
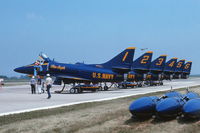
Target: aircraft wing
[(71, 77)]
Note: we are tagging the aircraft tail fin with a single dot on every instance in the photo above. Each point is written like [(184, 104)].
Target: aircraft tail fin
[(179, 66), (143, 62), (159, 63), (170, 65), (187, 67), (122, 61)]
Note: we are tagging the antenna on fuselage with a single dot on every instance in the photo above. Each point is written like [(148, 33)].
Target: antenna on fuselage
[(171, 88), (142, 49)]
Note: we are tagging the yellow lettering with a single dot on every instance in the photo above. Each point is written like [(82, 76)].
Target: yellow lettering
[(187, 66), (57, 67), (179, 64), (125, 56), (94, 75), (99, 75), (172, 64), (145, 59), (103, 76), (160, 61)]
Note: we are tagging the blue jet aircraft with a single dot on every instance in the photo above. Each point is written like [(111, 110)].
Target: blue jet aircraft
[(169, 69), (186, 70), (112, 71), (140, 68), (156, 71), (179, 69)]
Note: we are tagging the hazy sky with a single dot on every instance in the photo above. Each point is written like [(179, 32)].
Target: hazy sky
[(94, 31)]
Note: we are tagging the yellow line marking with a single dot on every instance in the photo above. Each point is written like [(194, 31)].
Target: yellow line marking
[(149, 52), (131, 48), (125, 56)]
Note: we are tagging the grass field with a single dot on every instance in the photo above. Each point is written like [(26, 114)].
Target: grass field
[(97, 117)]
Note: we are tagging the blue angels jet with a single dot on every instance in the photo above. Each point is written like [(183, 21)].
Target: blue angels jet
[(156, 71), (186, 70), (179, 69), (143, 69), (170, 68), (140, 68), (112, 71)]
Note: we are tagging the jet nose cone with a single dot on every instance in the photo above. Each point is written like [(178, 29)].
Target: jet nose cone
[(18, 69), (25, 69)]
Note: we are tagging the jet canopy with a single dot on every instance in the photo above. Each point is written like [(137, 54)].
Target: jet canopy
[(44, 57)]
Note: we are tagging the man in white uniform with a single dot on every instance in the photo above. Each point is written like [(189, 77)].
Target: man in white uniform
[(33, 85), (49, 85)]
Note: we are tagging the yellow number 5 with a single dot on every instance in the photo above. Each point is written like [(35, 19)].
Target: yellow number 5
[(179, 64)]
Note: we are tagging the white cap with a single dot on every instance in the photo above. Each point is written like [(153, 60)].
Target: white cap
[(33, 77), (48, 75)]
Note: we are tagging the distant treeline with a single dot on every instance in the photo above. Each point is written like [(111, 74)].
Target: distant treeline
[(22, 77), (195, 75)]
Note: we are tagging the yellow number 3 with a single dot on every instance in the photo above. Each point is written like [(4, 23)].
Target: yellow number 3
[(160, 61)]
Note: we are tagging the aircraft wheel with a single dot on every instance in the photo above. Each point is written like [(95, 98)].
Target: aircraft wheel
[(72, 90), (105, 88)]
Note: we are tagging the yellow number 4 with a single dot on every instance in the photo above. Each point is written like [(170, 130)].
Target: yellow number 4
[(172, 64)]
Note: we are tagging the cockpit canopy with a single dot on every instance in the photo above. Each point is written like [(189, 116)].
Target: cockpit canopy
[(44, 57)]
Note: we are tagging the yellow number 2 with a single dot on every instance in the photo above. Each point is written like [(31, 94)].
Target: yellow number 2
[(145, 59)]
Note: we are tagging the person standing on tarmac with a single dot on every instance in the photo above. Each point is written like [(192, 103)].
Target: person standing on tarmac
[(49, 85), (33, 85), (39, 85)]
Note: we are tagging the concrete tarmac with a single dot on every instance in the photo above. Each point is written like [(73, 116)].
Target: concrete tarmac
[(16, 99)]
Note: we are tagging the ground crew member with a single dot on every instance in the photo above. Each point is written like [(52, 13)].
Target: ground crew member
[(33, 85), (49, 85), (39, 85)]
